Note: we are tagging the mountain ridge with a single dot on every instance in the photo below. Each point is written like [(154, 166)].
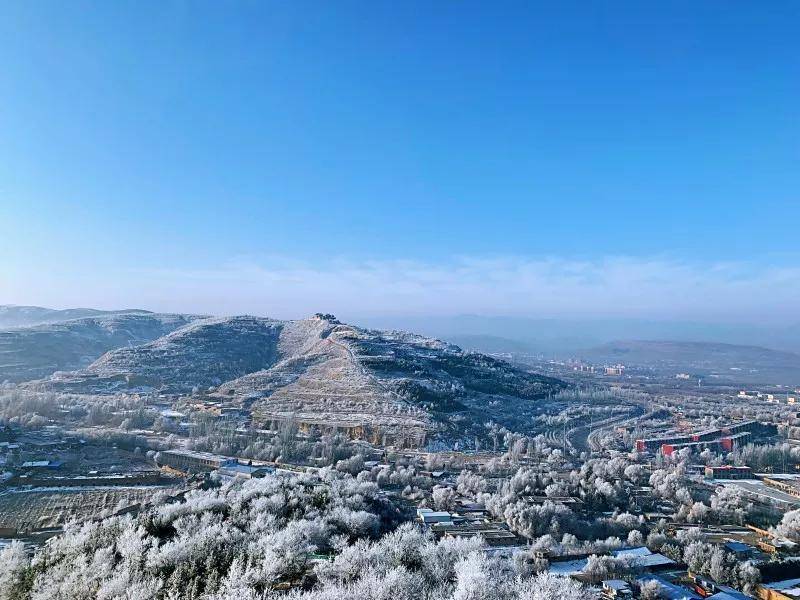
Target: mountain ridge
[(37, 351), (14, 315), (320, 370)]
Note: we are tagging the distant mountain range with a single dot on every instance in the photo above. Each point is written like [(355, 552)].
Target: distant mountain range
[(26, 316), (560, 337), (311, 370), (724, 361)]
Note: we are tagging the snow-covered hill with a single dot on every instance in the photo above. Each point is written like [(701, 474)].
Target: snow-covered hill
[(12, 315), (320, 370), (36, 352)]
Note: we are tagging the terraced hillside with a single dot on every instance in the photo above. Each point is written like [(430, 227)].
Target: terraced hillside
[(321, 379), (36, 352), (320, 371)]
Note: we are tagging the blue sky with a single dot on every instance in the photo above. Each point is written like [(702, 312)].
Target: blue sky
[(624, 158)]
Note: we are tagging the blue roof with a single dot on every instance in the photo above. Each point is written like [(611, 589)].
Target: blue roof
[(632, 552), (729, 595), (616, 584), (738, 547), (245, 469), (643, 557), (670, 590)]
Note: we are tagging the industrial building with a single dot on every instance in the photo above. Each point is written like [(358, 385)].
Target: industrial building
[(654, 444), (187, 461), (717, 439)]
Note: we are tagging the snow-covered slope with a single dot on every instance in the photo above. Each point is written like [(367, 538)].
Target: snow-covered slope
[(27, 316), (204, 353), (320, 370), (36, 352)]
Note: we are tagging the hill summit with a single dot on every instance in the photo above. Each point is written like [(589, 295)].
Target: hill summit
[(320, 370)]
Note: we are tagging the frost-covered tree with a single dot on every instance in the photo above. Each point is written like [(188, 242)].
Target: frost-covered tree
[(267, 528), (14, 570), (651, 590), (470, 484), (790, 525), (443, 497), (635, 538), (251, 539)]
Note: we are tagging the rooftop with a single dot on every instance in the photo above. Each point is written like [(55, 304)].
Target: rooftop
[(616, 584), (643, 557), (728, 593), (788, 587), (567, 568), (670, 591), (197, 455)]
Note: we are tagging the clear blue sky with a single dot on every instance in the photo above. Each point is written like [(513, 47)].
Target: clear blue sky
[(139, 139)]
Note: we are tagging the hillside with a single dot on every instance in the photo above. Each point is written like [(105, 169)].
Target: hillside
[(36, 352), (27, 316), (725, 361), (204, 353), (319, 370)]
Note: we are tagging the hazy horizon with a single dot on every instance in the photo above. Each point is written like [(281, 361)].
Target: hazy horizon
[(504, 333), (630, 288)]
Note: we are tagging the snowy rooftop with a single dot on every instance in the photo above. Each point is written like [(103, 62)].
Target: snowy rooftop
[(632, 552), (670, 590), (616, 584), (728, 594), (643, 556), (568, 567), (432, 516), (787, 587)]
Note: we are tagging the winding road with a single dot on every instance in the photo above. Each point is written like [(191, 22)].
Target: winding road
[(582, 440)]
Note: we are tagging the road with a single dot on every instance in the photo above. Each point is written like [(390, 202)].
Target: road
[(582, 440)]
